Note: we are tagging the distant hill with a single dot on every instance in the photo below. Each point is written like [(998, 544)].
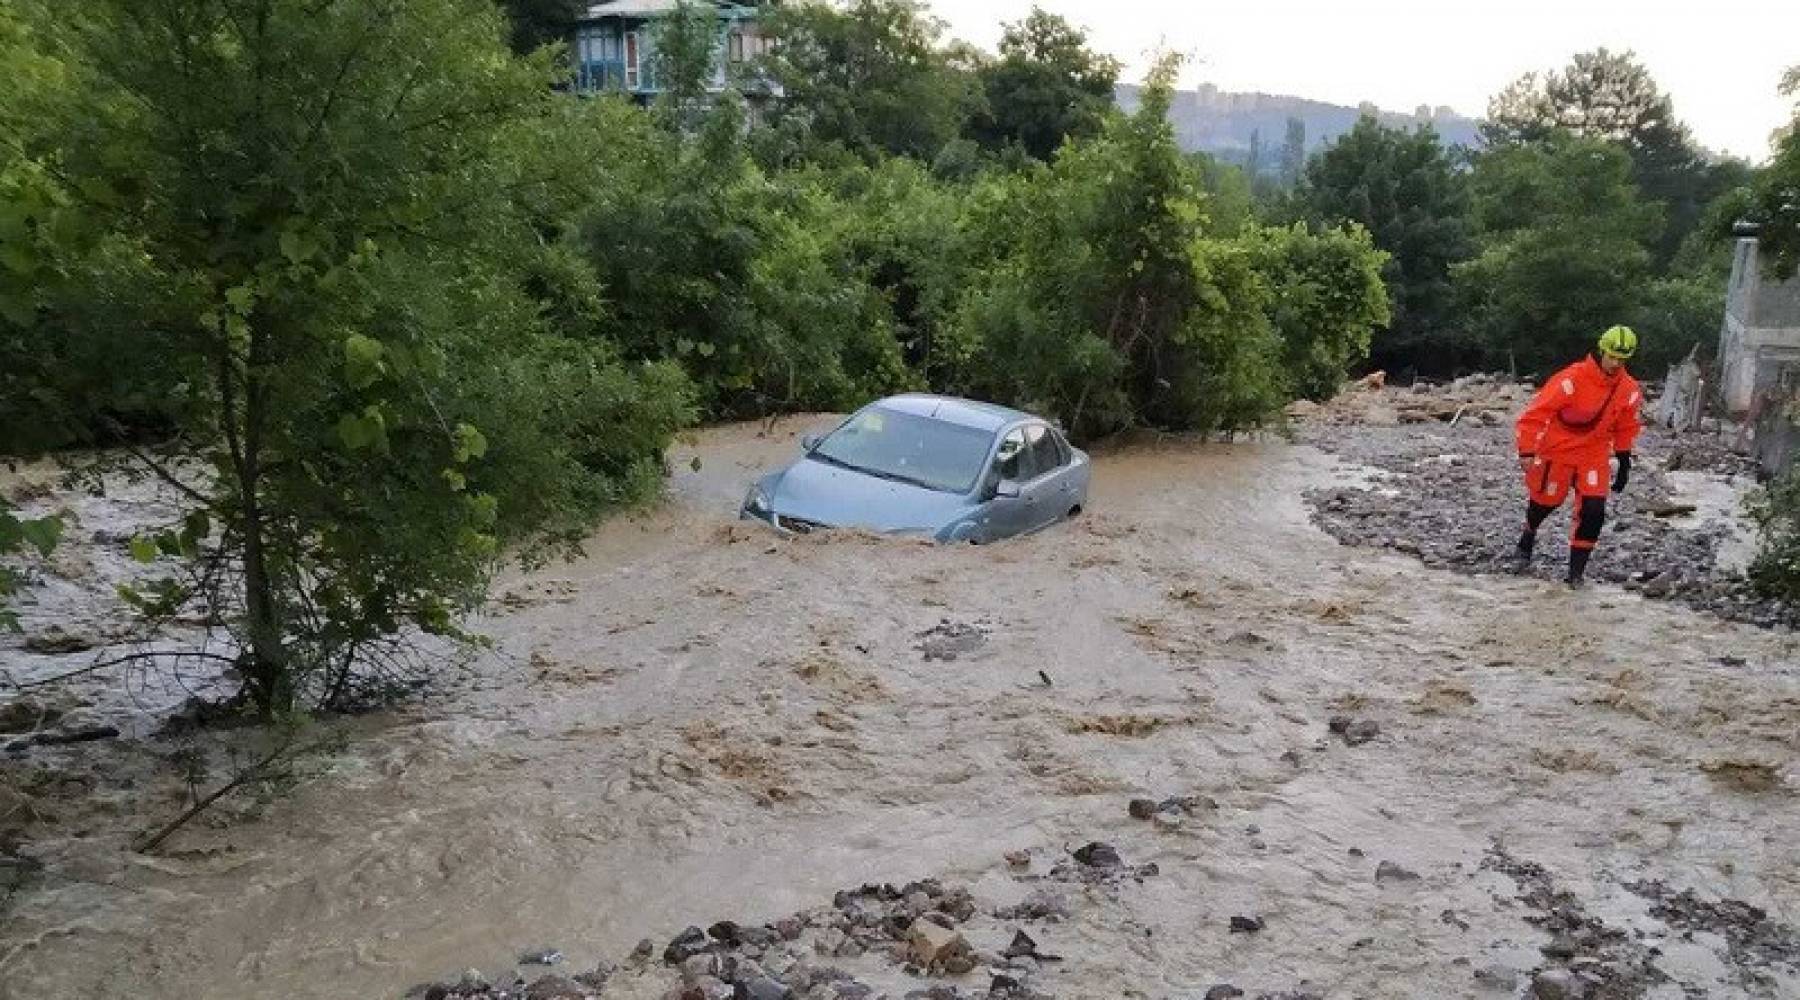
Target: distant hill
[(1224, 124)]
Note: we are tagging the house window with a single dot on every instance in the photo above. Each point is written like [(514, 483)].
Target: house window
[(734, 47), (631, 60)]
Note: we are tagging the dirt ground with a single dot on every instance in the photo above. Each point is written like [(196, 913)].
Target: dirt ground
[(701, 721)]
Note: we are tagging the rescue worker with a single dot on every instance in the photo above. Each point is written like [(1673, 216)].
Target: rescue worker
[(1583, 417)]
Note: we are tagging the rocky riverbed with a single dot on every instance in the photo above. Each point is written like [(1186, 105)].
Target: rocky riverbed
[(1444, 487)]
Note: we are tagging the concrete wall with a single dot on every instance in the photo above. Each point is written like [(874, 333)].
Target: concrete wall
[(1759, 342)]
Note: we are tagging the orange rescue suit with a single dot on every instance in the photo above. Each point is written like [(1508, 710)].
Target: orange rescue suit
[(1574, 425)]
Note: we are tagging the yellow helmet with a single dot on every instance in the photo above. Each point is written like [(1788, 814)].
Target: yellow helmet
[(1619, 343)]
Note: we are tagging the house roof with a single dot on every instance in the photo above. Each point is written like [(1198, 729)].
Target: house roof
[(649, 8)]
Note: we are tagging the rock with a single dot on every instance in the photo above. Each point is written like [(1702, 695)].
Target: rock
[(959, 964), (1191, 805), (1558, 984), (472, 981), (697, 967), (53, 641), (933, 946), (554, 988), (789, 928), (1388, 871), (761, 988), (1099, 855), (78, 734), (1022, 946), (1561, 946), (1246, 925), (541, 956), (1167, 822), (1223, 991), (643, 951), (1142, 808), (1019, 859), (686, 945), (1040, 904), (26, 714), (1498, 978), (1354, 732)]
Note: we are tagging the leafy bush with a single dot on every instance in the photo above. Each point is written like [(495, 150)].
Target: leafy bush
[(1326, 298), (1776, 570)]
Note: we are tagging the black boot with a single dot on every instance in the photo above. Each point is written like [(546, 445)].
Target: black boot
[(1521, 557), (1578, 560)]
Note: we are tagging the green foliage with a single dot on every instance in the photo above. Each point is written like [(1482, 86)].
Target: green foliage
[(340, 218), (1406, 190), (684, 57), (1612, 97), (1563, 239), (1672, 317), (1775, 201), (536, 23), (869, 76), (711, 262), (1110, 306), (1047, 86), (1776, 569), (1326, 298), (20, 540)]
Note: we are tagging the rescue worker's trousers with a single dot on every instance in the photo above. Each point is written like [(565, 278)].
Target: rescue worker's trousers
[(1549, 482)]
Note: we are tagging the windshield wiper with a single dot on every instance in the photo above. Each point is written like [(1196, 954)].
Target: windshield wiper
[(892, 477)]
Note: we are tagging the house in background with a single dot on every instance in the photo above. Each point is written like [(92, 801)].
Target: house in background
[(1759, 346), (614, 43)]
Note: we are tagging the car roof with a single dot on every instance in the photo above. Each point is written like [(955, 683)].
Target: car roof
[(950, 409)]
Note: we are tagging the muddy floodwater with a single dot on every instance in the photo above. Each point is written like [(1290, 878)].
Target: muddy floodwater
[(702, 721)]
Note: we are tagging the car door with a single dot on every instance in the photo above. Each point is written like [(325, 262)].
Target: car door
[(1014, 465), (1047, 494)]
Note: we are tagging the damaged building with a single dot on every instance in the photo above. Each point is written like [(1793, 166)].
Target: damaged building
[(1759, 352)]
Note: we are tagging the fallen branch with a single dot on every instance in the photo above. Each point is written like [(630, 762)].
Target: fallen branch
[(145, 845)]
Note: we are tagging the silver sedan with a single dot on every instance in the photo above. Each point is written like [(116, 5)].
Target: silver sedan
[(934, 466)]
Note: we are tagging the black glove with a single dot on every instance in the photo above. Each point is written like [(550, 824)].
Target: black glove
[(1624, 475)]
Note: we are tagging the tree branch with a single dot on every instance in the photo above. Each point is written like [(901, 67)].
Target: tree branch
[(121, 661)]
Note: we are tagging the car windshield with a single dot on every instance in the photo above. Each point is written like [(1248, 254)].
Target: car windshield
[(935, 454)]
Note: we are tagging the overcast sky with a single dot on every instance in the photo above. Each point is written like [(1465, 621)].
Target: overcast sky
[(1719, 60)]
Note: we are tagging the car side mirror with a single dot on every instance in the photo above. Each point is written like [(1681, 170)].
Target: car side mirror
[(1007, 489), (809, 442)]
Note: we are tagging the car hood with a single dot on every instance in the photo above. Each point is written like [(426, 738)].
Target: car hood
[(832, 495)]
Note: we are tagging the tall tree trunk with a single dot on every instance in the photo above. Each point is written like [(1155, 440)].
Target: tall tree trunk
[(265, 668)]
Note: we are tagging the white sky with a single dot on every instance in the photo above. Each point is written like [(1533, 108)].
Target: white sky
[(1720, 61)]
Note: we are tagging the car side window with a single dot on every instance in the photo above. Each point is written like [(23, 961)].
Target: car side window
[(1066, 454), (1043, 448), (1009, 460)]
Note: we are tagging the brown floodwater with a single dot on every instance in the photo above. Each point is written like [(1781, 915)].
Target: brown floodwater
[(700, 720)]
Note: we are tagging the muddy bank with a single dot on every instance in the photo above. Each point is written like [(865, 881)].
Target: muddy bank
[(1449, 493), (701, 722)]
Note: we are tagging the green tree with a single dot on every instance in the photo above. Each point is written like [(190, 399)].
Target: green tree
[(342, 210), (1407, 191), (1775, 198), (1612, 96), (870, 76), (536, 23), (685, 58), (1046, 86), (733, 271), (1325, 299), (1113, 306), (1563, 237)]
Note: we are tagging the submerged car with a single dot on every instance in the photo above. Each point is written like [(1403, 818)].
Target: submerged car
[(933, 466)]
